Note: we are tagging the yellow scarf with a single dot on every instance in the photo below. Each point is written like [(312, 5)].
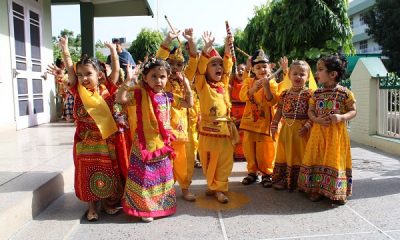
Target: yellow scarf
[(98, 110), (286, 83), (150, 127)]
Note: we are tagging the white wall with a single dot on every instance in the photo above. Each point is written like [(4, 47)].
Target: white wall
[(365, 88), (6, 87)]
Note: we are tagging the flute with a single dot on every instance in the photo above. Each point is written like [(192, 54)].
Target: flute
[(274, 74), (229, 33), (172, 29), (242, 52)]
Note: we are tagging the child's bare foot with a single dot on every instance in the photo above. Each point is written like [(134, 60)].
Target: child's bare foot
[(147, 219), (91, 214), (221, 197), (110, 210), (188, 196), (315, 197)]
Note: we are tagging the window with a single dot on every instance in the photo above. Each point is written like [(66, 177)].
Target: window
[(363, 46), (362, 18)]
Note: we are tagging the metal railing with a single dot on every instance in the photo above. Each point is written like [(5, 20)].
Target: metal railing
[(389, 106)]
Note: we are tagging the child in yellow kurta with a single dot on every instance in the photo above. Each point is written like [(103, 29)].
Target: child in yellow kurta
[(183, 165), (260, 96), (242, 72), (327, 168), (293, 136), (215, 146)]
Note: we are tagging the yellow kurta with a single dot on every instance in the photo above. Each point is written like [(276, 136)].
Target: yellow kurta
[(327, 166), (215, 147), (183, 165), (258, 146)]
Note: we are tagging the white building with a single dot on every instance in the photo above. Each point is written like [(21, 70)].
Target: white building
[(27, 95), (363, 43)]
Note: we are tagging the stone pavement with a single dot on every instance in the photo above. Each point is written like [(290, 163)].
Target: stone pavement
[(41, 153)]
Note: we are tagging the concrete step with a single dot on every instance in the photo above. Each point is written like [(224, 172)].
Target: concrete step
[(26, 196), (36, 166), (55, 222)]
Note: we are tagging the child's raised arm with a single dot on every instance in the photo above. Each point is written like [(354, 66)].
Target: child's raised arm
[(63, 43), (208, 39), (188, 35), (284, 64), (131, 76), (171, 35), (114, 62), (187, 101), (228, 43)]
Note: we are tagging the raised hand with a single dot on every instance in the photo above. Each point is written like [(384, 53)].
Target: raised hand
[(208, 39), (110, 46), (188, 34), (54, 70), (132, 74), (63, 42), (172, 34), (284, 63)]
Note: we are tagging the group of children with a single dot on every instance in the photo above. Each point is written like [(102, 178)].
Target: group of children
[(134, 139)]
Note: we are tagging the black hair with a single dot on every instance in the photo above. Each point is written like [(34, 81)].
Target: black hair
[(85, 59), (116, 41), (153, 62), (336, 62), (59, 61)]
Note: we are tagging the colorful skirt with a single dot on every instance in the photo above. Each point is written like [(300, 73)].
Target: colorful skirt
[(69, 106), (96, 168), (327, 166), (149, 188), (289, 154)]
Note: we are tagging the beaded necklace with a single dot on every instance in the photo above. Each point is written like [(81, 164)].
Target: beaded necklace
[(289, 124)]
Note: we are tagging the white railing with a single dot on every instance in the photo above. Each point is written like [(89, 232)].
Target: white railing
[(388, 112)]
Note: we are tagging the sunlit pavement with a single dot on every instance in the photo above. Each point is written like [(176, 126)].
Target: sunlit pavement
[(253, 212)]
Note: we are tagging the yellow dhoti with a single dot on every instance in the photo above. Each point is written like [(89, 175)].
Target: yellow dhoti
[(180, 165), (216, 156), (259, 151)]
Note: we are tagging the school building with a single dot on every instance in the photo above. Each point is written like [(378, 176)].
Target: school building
[(363, 43), (27, 93)]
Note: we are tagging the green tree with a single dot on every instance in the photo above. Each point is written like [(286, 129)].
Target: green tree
[(383, 25), (299, 29), (74, 44), (147, 42), (99, 55)]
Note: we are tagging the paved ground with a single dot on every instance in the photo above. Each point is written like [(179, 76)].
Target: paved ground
[(254, 212)]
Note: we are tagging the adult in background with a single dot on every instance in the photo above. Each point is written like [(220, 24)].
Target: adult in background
[(125, 57)]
